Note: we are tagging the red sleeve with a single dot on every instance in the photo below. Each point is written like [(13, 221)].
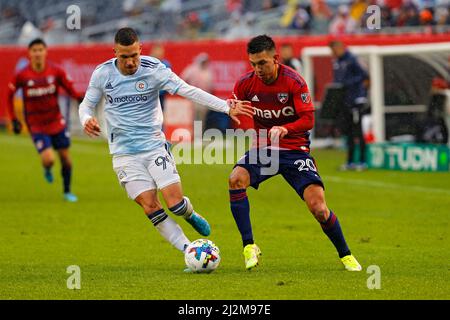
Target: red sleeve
[(67, 84), (304, 109), (12, 87), (246, 121), (304, 123)]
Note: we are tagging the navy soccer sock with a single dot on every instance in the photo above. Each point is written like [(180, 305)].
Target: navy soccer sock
[(333, 230), (240, 208), (66, 173)]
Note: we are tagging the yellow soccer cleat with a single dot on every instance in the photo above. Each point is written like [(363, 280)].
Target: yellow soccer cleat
[(350, 263), (251, 254)]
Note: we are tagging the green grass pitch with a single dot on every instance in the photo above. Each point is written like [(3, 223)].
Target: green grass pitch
[(395, 220)]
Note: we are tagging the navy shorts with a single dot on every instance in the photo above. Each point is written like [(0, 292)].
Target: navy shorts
[(43, 141), (297, 168)]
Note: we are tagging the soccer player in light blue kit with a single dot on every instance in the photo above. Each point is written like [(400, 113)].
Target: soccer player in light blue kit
[(130, 84)]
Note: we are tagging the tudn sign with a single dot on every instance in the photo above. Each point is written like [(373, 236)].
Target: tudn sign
[(409, 157)]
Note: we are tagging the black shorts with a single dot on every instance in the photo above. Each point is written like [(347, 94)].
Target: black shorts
[(297, 168), (43, 141)]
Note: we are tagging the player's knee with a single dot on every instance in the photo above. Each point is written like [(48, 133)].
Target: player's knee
[(48, 162), (149, 206), (237, 181)]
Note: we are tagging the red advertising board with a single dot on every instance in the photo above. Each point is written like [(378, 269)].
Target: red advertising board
[(228, 59)]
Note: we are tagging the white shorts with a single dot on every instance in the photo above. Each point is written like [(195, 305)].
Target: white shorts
[(141, 172)]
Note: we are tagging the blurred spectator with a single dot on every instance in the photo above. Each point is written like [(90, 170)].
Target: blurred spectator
[(352, 78), (240, 26), (356, 12), (200, 75), (158, 52), (426, 17), (426, 20), (392, 5), (29, 32), (289, 13), (233, 6), (409, 16), (340, 22), (387, 19), (171, 5), (269, 4), (301, 19), (191, 25), (321, 14), (288, 58), (131, 7), (434, 128), (442, 16)]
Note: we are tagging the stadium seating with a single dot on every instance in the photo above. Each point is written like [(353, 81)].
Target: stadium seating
[(181, 19)]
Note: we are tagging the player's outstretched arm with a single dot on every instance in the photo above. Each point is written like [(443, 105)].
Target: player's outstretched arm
[(175, 85), (231, 107)]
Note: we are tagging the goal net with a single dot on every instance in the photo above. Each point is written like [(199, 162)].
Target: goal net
[(401, 78)]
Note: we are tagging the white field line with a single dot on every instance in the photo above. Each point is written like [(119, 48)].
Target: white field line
[(380, 184)]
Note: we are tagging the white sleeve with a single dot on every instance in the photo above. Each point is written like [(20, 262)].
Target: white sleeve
[(175, 85), (93, 95), (85, 111), (202, 97)]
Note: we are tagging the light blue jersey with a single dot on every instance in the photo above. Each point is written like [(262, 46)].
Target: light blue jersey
[(132, 108)]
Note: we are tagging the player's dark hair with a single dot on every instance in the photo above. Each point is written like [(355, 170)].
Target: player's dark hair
[(260, 43), (126, 36), (37, 41)]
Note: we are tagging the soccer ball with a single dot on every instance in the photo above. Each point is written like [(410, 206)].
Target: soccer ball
[(202, 256)]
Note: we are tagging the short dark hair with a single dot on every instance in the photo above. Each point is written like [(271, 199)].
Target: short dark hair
[(260, 43), (37, 41), (126, 36)]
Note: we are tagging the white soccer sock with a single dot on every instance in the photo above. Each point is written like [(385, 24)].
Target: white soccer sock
[(170, 230)]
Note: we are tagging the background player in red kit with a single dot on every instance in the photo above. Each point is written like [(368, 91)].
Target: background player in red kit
[(283, 107), (40, 82)]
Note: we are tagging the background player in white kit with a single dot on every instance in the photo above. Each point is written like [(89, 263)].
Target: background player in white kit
[(142, 161)]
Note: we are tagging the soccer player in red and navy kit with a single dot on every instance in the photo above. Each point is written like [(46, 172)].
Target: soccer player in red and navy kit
[(284, 111), (40, 82)]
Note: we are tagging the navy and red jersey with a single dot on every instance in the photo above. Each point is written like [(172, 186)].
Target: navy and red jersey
[(40, 97), (285, 102)]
